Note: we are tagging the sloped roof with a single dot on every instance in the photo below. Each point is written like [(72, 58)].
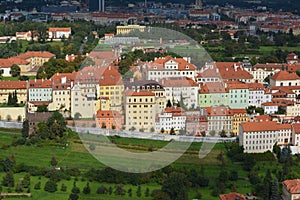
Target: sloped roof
[(292, 186), (284, 76)]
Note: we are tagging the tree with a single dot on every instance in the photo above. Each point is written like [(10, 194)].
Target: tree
[(26, 181), (160, 195), (50, 186), (223, 176), (57, 125), (169, 104), (37, 186), (15, 70), (162, 130), (87, 189), (42, 108), (25, 129), (129, 191), (102, 190), (139, 192), (73, 196), (274, 190), (77, 116), (53, 161), (221, 158), (147, 192), (8, 180), (172, 131), (176, 186), (75, 189), (63, 187), (223, 133), (233, 176), (120, 190)]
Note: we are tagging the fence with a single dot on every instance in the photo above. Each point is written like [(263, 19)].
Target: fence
[(151, 136)]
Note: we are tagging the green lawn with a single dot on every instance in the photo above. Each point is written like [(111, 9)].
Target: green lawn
[(76, 155)]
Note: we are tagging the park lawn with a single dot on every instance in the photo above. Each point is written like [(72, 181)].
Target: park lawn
[(266, 50)]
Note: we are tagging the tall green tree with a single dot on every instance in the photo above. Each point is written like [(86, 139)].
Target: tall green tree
[(25, 129), (176, 186), (15, 70)]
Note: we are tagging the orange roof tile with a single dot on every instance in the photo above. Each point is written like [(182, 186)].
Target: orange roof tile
[(232, 71), (263, 118), (263, 126), (108, 114), (40, 83), (284, 76), (160, 62), (31, 54), (212, 87), (13, 84), (110, 77), (178, 82), (292, 186), (140, 93), (296, 128), (232, 196), (61, 29), (7, 63)]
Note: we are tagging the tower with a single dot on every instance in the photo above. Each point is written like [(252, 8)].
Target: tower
[(198, 4), (97, 5)]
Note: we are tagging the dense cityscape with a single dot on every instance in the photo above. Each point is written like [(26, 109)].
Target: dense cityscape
[(219, 77)]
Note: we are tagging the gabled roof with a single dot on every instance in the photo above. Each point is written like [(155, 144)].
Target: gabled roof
[(212, 87), (7, 63), (110, 77), (292, 186), (159, 63), (108, 114), (178, 82), (264, 126), (13, 84), (31, 54), (140, 93), (284, 76), (232, 71), (232, 196), (40, 83)]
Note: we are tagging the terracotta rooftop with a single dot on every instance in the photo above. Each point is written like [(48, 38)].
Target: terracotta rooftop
[(212, 87), (263, 126), (296, 128), (232, 71), (40, 83), (13, 84), (31, 54), (61, 29), (292, 186), (140, 93), (108, 114), (160, 62), (284, 76), (232, 196), (178, 82), (7, 63)]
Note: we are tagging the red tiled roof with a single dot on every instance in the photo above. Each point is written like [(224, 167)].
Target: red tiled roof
[(292, 186), (108, 114), (237, 86), (61, 29), (31, 54), (176, 111), (263, 118), (232, 71), (140, 93), (7, 63), (110, 77), (263, 126), (284, 75), (39, 83), (296, 128), (267, 66), (182, 63), (13, 84), (232, 196), (178, 82), (212, 87)]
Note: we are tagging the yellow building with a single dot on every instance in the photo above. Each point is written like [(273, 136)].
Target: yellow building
[(127, 29), (61, 85), (104, 103), (112, 87), (140, 115), (239, 116), (7, 87)]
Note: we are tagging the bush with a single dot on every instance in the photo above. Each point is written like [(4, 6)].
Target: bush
[(37, 186), (50, 186), (102, 190), (63, 188)]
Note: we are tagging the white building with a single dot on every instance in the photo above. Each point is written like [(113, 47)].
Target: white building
[(262, 71), (181, 88), (40, 90), (167, 67), (283, 78), (270, 108), (258, 94), (173, 117), (259, 137), (58, 33)]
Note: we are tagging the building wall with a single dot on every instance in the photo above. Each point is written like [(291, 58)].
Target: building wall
[(189, 95), (13, 112), (140, 113), (40, 94), (167, 122), (62, 99), (213, 99), (115, 95), (237, 120), (21, 94), (157, 75), (238, 98)]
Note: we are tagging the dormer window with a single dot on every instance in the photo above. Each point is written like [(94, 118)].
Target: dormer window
[(155, 67), (187, 67)]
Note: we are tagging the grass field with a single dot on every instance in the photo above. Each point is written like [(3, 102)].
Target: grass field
[(75, 155)]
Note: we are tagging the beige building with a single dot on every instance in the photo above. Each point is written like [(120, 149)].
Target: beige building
[(140, 112), (129, 28), (7, 87)]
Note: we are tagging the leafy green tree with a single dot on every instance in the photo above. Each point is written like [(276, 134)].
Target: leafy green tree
[(169, 104), (274, 190), (73, 196), (26, 181), (37, 186), (233, 176), (139, 192), (25, 129), (75, 189), (15, 70), (147, 192), (8, 180), (57, 125), (223, 176), (50, 186), (63, 187), (87, 189), (53, 161), (101, 190), (120, 190), (42, 108), (129, 191), (176, 186), (42, 130)]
